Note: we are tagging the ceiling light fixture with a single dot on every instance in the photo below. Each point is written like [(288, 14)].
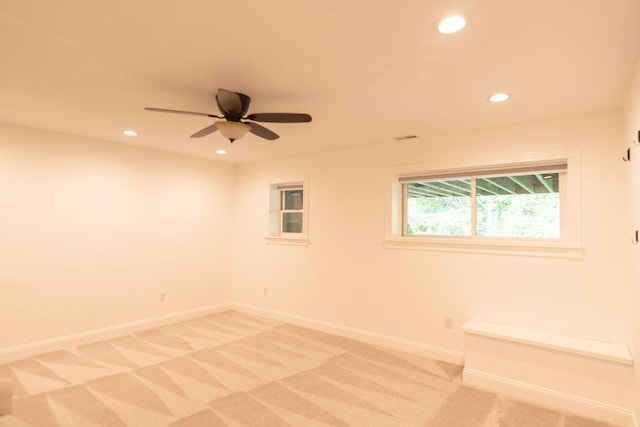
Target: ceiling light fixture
[(451, 24), (221, 151), (130, 132), (499, 97), (232, 130)]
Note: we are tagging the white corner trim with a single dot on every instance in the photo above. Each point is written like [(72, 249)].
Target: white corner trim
[(11, 354), (551, 398), (434, 352)]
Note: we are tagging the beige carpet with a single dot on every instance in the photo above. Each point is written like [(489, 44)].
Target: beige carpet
[(233, 369)]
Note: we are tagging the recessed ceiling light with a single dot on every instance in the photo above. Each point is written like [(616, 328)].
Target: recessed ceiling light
[(221, 151), (130, 132), (499, 97), (451, 24)]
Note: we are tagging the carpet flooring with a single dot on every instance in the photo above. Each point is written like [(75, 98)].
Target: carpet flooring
[(235, 369)]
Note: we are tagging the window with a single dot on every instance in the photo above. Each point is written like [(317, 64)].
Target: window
[(287, 212), (515, 206), (291, 213), (525, 205), (438, 207)]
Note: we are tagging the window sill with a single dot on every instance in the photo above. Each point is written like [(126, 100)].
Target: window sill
[(287, 241), (553, 249)]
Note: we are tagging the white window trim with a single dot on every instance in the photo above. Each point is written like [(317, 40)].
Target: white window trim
[(274, 220), (569, 245)]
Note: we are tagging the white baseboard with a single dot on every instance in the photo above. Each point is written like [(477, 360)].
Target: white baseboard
[(550, 398), (434, 352), (12, 354), (520, 390)]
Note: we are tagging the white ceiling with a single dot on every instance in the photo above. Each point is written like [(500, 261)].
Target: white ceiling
[(366, 71)]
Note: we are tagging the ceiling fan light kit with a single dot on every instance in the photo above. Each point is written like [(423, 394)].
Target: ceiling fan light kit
[(232, 130), (234, 107)]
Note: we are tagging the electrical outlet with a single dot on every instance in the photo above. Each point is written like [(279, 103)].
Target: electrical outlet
[(448, 322), (163, 296), (266, 291)]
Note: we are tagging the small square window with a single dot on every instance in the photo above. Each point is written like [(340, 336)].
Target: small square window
[(292, 200), (292, 222), (288, 216)]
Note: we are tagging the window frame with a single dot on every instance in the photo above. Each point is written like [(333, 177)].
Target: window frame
[(276, 190), (568, 245), (284, 210)]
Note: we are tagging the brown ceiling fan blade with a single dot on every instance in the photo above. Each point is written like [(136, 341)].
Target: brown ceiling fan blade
[(232, 104), (164, 110), (205, 131), (280, 117), (263, 132)]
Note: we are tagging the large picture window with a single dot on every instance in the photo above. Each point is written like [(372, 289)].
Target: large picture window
[(524, 205), (517, 206)]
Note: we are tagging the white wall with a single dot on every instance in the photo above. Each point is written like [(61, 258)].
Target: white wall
[(92, 232), (631, 129), (346, 276)]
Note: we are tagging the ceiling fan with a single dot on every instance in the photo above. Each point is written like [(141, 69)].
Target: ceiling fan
[(234, 107)]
